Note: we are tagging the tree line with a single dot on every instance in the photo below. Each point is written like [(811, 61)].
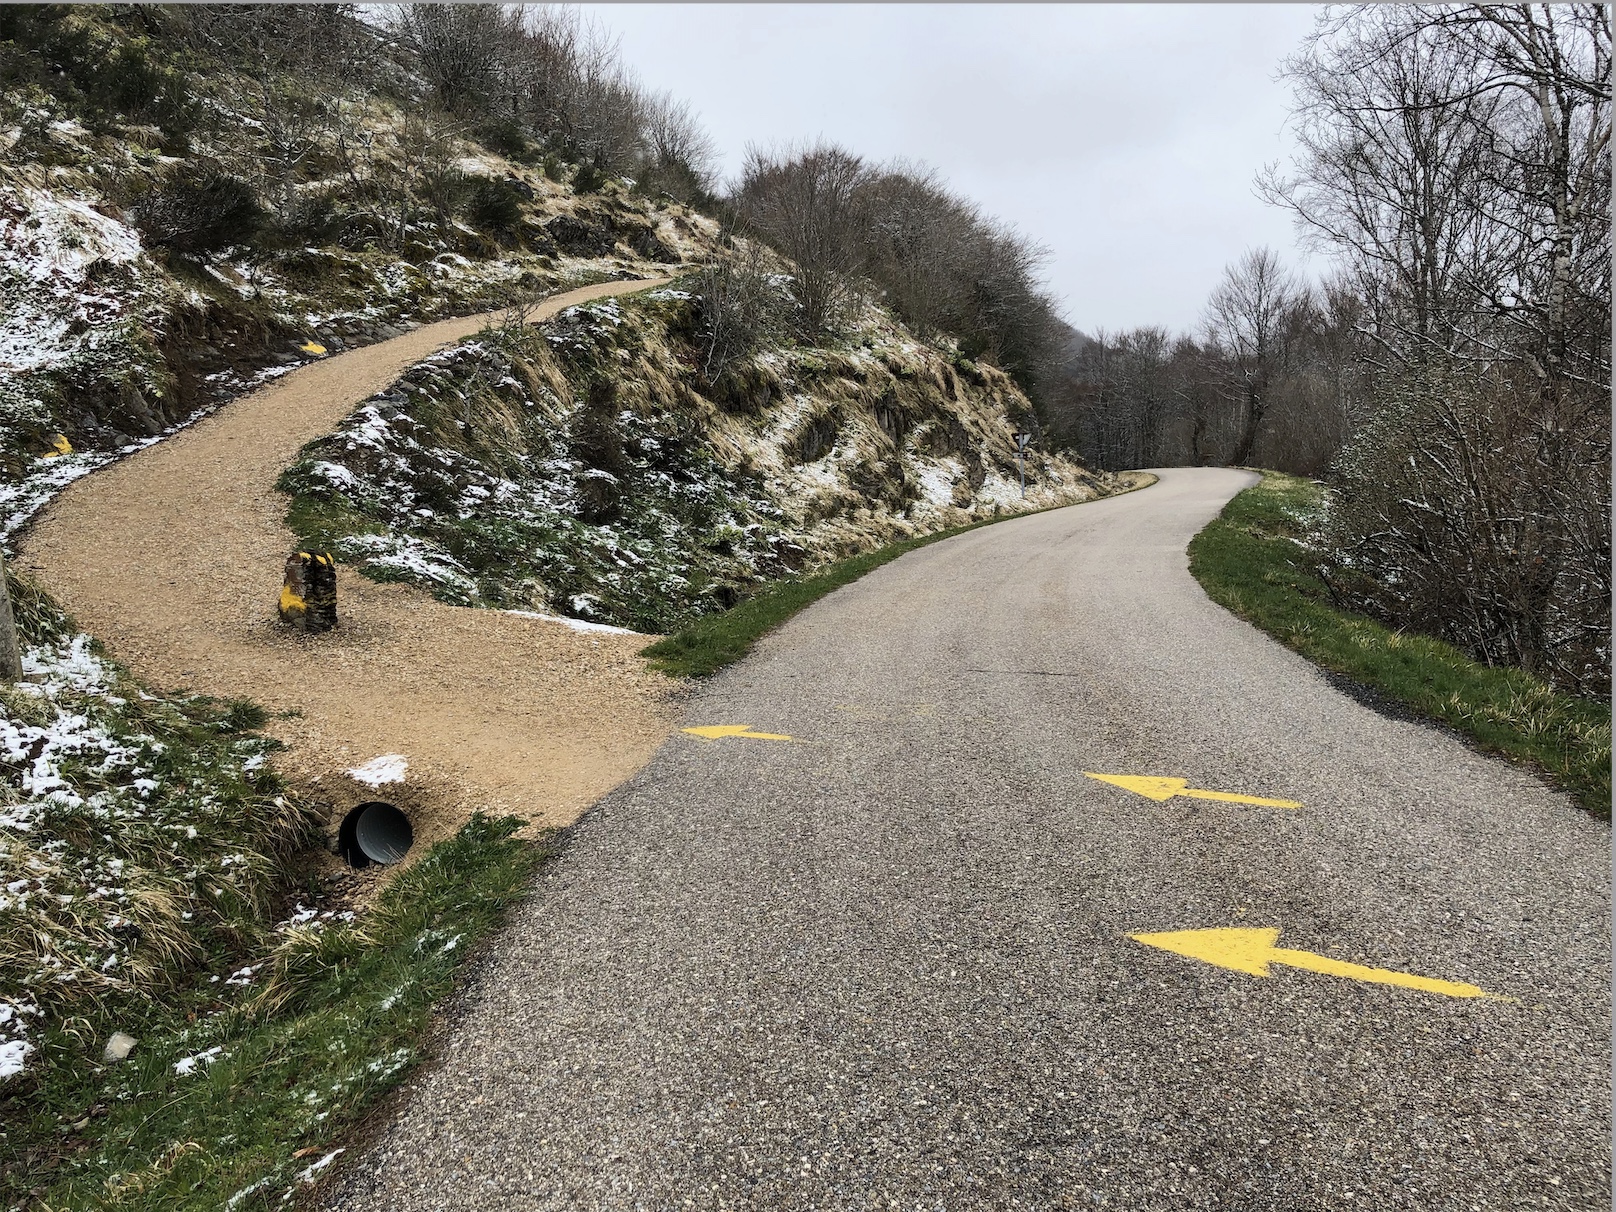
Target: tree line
[(1451, 378)]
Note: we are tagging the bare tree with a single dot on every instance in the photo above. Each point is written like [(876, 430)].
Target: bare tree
[(1457, 160), (292, 57), (1256, 314), (805, 205), (679, 157)]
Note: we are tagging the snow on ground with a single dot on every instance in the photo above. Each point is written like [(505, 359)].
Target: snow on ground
[(574, 624), (388, 768), (82, 764), (14, 1045), (937, 481), (49, 246), (189, 1065)]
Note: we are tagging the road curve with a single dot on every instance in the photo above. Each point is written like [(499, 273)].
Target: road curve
[(173, 558), (889, 964)]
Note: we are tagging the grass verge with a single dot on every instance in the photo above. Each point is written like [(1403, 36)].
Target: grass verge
[(1252, 560), (237, 1107), (716, 640)]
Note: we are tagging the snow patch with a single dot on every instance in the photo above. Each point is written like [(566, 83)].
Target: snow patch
[(574, 624), (188, 1066), (388, 768)]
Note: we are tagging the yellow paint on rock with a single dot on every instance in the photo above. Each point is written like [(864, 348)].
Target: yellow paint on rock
[(312, 347), (713, 732), (1253, 950), (1163, 789), (59, 446)]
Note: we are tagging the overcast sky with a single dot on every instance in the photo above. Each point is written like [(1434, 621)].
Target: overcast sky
[(1123, 137)]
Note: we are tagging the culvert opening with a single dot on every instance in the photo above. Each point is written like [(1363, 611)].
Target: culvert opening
[(374, 832)]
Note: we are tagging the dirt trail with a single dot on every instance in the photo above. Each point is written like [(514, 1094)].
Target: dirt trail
[(173, 558)]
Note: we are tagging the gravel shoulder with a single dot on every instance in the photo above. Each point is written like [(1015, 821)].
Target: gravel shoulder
[(888, 963), (173, 558)]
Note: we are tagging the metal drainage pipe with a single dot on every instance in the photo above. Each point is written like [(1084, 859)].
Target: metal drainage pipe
[(374, 832)]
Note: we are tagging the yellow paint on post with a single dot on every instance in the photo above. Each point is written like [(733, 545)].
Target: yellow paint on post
[(1162, 789), (713, 732), (1253, 950), (291, 603)]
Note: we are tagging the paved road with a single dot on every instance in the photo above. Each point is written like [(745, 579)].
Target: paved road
[(889, 965)]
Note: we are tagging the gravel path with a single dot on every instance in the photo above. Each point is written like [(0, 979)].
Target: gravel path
[(173, 558), (888, 965)]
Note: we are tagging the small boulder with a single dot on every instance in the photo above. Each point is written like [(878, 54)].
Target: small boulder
[(118, 1047)]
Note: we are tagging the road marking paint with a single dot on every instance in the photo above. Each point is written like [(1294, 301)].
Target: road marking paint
[(1252, 951), (1160, 789), (713, 732)]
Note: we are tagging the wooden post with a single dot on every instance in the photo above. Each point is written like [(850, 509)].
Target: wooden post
[(309, 593), (10, 648)]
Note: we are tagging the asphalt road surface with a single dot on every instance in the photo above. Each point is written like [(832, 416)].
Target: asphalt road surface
[(889, 963)]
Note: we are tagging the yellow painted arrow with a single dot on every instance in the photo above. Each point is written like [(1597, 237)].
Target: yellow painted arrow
[(1160, 789), (1253, 950), (713, 732)]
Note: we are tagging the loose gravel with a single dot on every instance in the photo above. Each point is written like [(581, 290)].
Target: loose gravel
[(174, 557)]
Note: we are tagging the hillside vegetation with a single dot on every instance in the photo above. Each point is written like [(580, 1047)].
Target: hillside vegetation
[(592, 469), (196, 199)]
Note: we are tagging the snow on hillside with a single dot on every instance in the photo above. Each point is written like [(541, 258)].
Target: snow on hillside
[(579, 470)]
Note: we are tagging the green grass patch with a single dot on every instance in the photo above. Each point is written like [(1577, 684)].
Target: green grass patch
[(334, 1017), (1253, 560), (322, 525), (716, 640)]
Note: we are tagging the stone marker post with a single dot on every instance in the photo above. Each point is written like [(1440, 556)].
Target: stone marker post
[(309, 593)]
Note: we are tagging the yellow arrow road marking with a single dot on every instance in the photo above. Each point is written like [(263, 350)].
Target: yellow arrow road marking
[(1253, 950), (713, 732), (1160, 789)]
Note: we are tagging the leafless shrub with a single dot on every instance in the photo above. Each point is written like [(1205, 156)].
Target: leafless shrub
[(678, 157), (1457, 514), (741, 308), (466, 52), (1457, 160), (804, 204)]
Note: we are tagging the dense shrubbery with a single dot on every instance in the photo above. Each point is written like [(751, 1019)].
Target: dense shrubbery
[(942, 266), (1452, 378), (198, 208)]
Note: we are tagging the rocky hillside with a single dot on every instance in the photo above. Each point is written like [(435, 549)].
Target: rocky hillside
[(592, 470), (149, 268), (185, 210)]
